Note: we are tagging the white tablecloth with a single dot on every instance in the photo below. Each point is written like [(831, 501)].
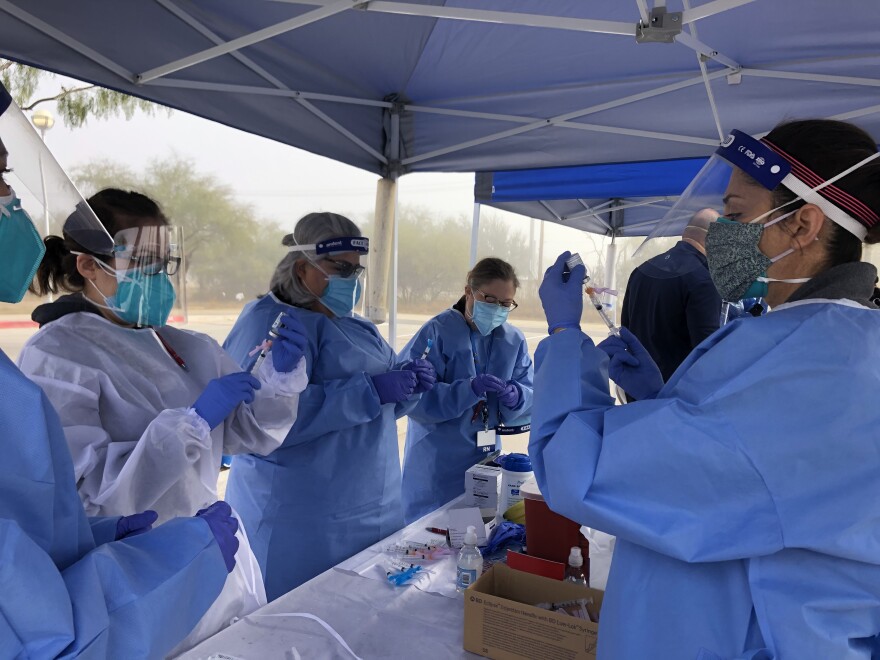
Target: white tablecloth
[(374, 618)]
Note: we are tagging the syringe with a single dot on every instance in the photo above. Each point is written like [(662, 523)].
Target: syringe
[(570, 263), (267, 344)]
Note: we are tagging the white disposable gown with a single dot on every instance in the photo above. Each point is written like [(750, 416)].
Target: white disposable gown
[(65, 590), (125, 405), (745, 498)]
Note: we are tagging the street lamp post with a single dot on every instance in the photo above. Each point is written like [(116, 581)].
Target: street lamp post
[(43, 121)]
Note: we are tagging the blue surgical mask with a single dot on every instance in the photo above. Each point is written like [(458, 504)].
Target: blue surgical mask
[(140, 299), (341, 294), (21, 251), (487, 316)]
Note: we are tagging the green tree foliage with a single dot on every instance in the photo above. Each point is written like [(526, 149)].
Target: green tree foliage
[(74, 104), (435, 254), (229, 250)]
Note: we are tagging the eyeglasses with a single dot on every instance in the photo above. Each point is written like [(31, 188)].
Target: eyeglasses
[(344, 269), (509, 305), (149, 264)]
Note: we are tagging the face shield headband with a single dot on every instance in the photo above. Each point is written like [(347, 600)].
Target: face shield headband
[(323, 250)]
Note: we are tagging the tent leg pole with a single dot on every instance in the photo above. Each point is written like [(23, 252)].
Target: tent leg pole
[(475, 234), (380, 251), (610, 274), (392, 324)]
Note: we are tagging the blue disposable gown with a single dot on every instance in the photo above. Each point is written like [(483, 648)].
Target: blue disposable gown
[(333, 487), (65, 590), (744, 497), (441, 434)]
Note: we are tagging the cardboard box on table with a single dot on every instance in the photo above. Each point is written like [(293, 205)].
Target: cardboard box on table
[(501, 622)]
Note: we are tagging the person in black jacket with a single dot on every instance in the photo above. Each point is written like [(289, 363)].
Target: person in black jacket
[(671, 304)]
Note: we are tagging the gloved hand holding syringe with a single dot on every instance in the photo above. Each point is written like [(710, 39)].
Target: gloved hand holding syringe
[(267, 344), (591, 291)]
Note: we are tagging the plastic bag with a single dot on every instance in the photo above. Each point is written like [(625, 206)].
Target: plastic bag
[(601, 553), (242, 594)]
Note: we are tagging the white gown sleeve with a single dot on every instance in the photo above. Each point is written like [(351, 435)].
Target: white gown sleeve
[(261, 427), (116, 478)]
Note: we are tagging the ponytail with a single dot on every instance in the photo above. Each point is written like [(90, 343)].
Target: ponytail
[(57, 271)]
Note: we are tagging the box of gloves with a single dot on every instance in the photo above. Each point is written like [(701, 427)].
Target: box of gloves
[(512, 615)]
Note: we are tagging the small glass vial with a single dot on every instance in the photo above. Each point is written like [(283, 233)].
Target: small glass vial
[(470, 561)]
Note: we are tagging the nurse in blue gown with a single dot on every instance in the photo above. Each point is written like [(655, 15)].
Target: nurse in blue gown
[(484, 381), (743, 491), (72, 586), (333, 487)]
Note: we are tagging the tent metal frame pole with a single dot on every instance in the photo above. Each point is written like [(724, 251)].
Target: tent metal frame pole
[(475, 233), (206, 32), (701, 60), (529, 20), (811, 77), (690, 41), (504, 18), (861, 112), (634, 132), (550, 210), (282, 92), (633, 98), (247, 40), (59, 36), (643, 11), (710, 9), (594, 210), (341, 129), (282, 89)]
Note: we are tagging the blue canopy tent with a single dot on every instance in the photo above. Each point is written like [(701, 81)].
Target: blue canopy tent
[(614, 199), (395, 86)]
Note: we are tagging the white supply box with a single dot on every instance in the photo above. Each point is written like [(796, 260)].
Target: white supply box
[(482, 485)]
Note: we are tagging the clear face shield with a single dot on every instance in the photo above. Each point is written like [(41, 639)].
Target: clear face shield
[(42, 185), (343, 261), (706, 192), (767, 166), (146, 262)]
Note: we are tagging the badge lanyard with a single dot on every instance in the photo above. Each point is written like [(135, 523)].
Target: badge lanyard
[(486, 438)]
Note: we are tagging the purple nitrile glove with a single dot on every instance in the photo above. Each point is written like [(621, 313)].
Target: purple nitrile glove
[(563, 302), (222, 396), (224, 526), (135, 524), (290, 344), (631, 366), (395, 386), (509, 397), (483, 383), (424, 372)]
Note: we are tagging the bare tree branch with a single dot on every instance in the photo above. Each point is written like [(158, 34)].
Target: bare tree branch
[(60, 95)]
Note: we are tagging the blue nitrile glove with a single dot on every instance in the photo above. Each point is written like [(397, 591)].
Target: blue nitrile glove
[(290, 344), (395, 386), (482, 383), (224, 526), (631, 366), (509, 396), (222, 396), (425, 374), (563, 302), (135, 524)]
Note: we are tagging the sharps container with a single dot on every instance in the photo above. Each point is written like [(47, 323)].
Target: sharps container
[(549, 535), (516, 469)]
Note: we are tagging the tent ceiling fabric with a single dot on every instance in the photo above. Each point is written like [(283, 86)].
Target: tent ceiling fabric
[(479, 84)]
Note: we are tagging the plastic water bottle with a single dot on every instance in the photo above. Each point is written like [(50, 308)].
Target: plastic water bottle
[(470, 561), (575, 571)]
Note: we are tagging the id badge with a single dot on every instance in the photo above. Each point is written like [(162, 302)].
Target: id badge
[(486, 439)]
